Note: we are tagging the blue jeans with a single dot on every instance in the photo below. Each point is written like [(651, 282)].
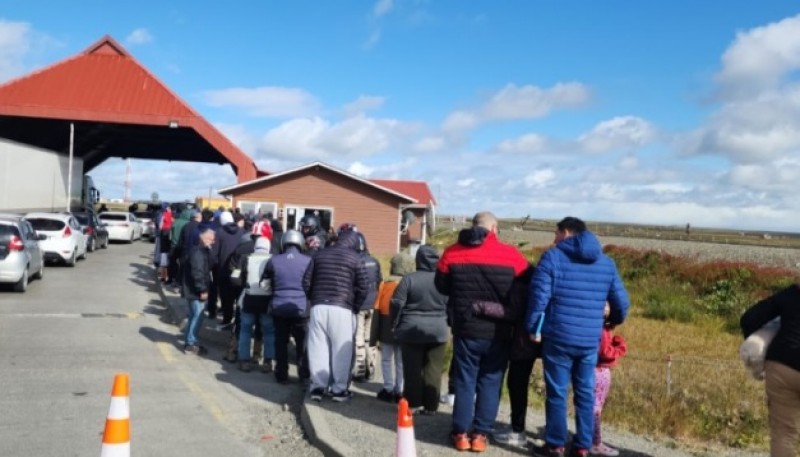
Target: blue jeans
[(246, 334), (195, 321), (561, 364), (479, 368)]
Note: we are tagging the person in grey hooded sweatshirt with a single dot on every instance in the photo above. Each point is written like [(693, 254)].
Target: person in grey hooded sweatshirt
[(419, 317)]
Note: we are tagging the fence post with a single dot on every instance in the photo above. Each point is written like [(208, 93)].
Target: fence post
[(669, 375)]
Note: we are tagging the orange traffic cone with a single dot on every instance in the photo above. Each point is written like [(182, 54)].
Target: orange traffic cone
[(117, 434), (406, 444)]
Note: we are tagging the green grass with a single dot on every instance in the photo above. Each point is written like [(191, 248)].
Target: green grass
[(688, 311)]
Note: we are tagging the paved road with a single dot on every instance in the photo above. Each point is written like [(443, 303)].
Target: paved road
[(62, 342)]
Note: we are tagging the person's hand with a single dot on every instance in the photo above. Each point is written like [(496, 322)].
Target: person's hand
[(203, 296)]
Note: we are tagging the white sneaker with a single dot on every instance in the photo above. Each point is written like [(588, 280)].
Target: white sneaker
[(448, 399), (511, 438)]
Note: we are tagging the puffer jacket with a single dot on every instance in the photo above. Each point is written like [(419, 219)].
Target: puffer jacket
[(285, 273), (227, 240), (785, 347), (336, 275), (571, 285), (374, 280), (478, 268), (418, 310)]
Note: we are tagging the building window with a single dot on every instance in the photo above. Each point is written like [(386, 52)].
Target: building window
[(253, 207)]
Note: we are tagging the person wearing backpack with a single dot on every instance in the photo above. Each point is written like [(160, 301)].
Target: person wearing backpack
[(284, 274), (254, 301)]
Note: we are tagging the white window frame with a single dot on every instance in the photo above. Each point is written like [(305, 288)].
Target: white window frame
[(258, 205)]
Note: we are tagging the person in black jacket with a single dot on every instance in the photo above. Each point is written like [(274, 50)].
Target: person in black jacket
[(228, 235), (782, 366), (336, 283), (365, 354), (196, 281), (419, 316)]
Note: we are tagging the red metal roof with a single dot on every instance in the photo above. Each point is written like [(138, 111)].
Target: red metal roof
[(105, 83), (418, 190)]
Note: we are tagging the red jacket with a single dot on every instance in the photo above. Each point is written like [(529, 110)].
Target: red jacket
[(612, 348)]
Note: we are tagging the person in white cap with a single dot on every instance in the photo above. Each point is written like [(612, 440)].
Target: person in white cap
[(228, 235)]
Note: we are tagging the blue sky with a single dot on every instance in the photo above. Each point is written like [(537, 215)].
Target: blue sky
[(626, 111)]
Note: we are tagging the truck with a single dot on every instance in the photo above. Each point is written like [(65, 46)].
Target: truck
[(36, 179)]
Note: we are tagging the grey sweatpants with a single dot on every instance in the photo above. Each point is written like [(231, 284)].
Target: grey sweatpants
[(330, 347)]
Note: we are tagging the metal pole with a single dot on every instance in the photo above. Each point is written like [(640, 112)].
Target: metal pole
[(69, 176), (669, 375)]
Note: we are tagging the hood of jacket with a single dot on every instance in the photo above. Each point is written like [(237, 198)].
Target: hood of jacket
[(473, 236), (427, 258), (401, 264), (583, 247), (348, 240), (231, 228), (186, 215)]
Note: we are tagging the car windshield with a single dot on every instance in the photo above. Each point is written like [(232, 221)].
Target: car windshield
[(47, 225), (143, 215), (114, 217), (7, 231)]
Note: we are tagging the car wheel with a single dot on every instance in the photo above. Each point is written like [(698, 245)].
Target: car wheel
[(40, 274), (83, 256), (72, 260), (131, 239), (22, 284), (91, 245), (105, 244)]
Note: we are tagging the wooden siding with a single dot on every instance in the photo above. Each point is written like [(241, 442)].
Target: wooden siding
[(376, 213)]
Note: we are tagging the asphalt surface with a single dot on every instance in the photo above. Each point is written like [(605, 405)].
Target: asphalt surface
[(63, 341)]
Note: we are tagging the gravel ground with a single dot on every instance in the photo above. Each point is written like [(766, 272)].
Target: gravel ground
[(768, 256)]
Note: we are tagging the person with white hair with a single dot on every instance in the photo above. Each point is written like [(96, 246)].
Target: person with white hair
[(254, 302)]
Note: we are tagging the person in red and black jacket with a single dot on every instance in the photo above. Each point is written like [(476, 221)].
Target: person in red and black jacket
[(478, 268)]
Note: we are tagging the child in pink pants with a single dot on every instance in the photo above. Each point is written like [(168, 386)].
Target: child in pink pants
[(612, 348)]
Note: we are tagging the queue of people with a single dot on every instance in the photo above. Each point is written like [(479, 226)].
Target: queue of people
[(327, 293)]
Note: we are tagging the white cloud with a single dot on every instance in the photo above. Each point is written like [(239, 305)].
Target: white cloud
[(466, 182), (531, 143), (362, 104), (139, 36), (429, 144), (624, 132), (759, 58), (265, 101), (359, 169), (779, 177), (382, 7), (513, 103), (15, 43), (540, 179)]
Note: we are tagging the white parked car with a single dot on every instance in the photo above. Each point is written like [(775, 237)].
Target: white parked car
[(121, 225), (20, 255), (65, 240), (148, 224)]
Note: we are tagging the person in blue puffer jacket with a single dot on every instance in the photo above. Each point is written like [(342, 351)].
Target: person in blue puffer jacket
[(569, 290)]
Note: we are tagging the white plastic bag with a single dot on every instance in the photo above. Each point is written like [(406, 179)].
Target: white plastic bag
[(753, 350)]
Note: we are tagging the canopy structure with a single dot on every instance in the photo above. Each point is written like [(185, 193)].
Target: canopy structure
[(118, 108)]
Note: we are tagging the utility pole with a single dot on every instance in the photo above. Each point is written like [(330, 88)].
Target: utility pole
[(127, 197)]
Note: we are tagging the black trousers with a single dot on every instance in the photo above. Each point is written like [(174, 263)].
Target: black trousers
[(285, 328), (227, 296), (422, 373), (213, 295), (517, 381)]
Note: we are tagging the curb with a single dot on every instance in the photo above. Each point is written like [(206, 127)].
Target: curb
[(319, 434)]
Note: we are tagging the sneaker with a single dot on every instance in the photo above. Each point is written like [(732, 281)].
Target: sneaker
[(386, 396), (576, 452), (511, 438), (247, 367), (448, 399), (421, 411), (548, 451), (317, 394), (397, 397), (267, 366), (224, 326), (341, 396), (460, 441), (604, 450), (195, 349), (478, 442)]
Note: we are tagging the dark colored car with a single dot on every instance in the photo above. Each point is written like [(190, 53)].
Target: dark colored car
[(96, 232)]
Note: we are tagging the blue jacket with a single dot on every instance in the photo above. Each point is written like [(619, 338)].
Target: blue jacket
[(570, 287), (285, 272)]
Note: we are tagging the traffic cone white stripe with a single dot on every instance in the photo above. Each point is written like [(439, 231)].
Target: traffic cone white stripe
[(119, 408), (116, 450), (406, 445)]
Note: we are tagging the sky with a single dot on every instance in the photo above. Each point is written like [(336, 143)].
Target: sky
[(661, 113)]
